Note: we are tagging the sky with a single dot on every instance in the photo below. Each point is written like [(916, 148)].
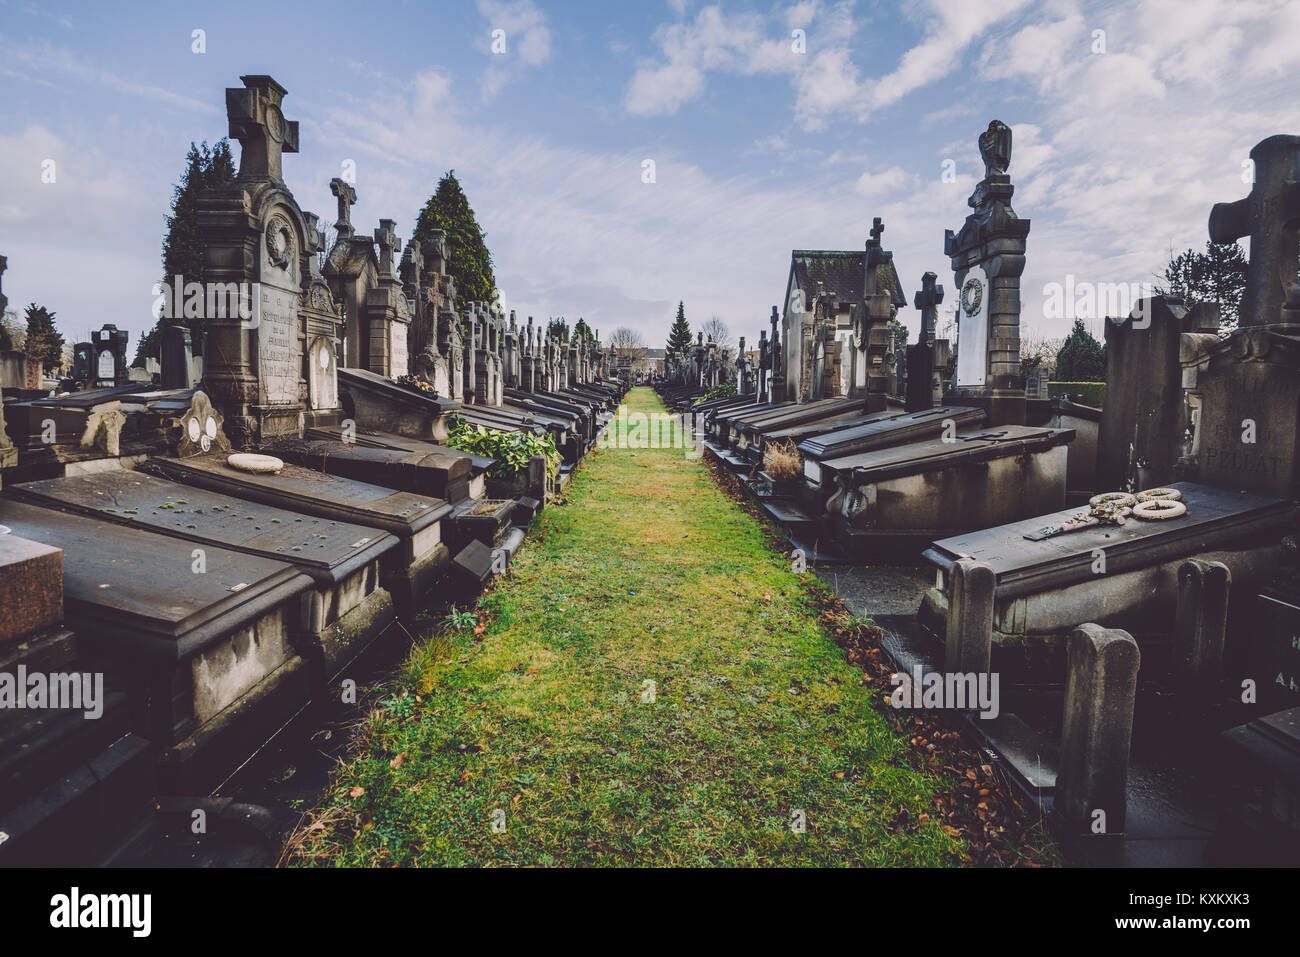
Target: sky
[(768, 127)]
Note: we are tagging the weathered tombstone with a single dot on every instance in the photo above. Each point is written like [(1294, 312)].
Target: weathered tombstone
[(176, 355), (1270, 216), (1248, 384), (1140, 437), (1097, 728), (1200, 626), (386, 312), (255, 235), (320, 328), (988, 257), (924, 384), (110, 367)]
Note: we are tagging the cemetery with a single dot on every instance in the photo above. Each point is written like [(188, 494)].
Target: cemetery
[(359, 502)]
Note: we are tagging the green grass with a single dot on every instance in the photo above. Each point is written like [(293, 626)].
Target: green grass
[(649, 573)]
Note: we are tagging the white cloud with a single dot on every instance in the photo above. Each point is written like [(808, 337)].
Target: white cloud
[(527, 38)]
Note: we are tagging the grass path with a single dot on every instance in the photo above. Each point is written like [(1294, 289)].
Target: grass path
[(543, 724)]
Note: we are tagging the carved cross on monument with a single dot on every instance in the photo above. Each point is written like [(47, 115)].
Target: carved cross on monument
[(927, 300), (386, 238), (1270, 216), (260, 127), (347, 195), (412, 267), (877, 228)]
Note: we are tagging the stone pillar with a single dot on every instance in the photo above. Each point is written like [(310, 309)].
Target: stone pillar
[(1200, 625), (1097, 727), (969, 638), (988, 257)]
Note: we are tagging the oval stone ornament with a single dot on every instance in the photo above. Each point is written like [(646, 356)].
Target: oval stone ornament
[(252, 462)]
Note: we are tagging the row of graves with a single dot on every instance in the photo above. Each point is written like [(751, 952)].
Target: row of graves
[(219, 554), (1070, 545)]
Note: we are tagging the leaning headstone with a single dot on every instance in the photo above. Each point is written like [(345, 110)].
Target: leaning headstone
[(988, 257), (1100, 691), (177, 356)]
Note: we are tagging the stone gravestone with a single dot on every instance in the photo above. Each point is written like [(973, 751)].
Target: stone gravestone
[(1248, 384), (1140, 436), (988, 257), (254, 235), (924, 389), (320, 330), (109, 367), (177, 357), (882, 295)]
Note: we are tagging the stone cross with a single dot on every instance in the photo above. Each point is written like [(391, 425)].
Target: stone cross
[(927, 300), (386, 237), (413, 266), (347, 195), (1270, 216), (262, 131), (877, 227)]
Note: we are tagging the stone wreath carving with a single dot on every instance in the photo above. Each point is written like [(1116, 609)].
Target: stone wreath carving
[(279, 242), (972, 295)]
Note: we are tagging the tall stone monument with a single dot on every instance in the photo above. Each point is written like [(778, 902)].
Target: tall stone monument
[(255, 235), (988, 257)]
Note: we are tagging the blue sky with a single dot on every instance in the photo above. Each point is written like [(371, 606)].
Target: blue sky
[(758, 149)]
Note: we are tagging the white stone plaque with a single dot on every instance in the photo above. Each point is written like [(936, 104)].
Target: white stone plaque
[(277, 345), (973, 329), (399, 360)]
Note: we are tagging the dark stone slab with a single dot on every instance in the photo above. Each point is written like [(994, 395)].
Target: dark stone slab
[(307, 491), (327, 550), (1214, 517), (126, 587), (31, 587), (887, 428), (968, 449), (433, 470)]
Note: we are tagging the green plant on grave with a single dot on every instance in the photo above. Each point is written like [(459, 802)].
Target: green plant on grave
[(724, 391), (460, 620), (511, 450)]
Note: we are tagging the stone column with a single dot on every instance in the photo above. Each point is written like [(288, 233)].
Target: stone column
[(1097, 727), (988, 257)]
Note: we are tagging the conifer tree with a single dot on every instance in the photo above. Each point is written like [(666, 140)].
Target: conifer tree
[(679, 336), (468, 260), (182, 250), (1082, 358), (44, 343)]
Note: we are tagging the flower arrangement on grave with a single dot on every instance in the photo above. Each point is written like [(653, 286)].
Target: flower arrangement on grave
[(1115, 508), (416, 383), (511, 450)]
